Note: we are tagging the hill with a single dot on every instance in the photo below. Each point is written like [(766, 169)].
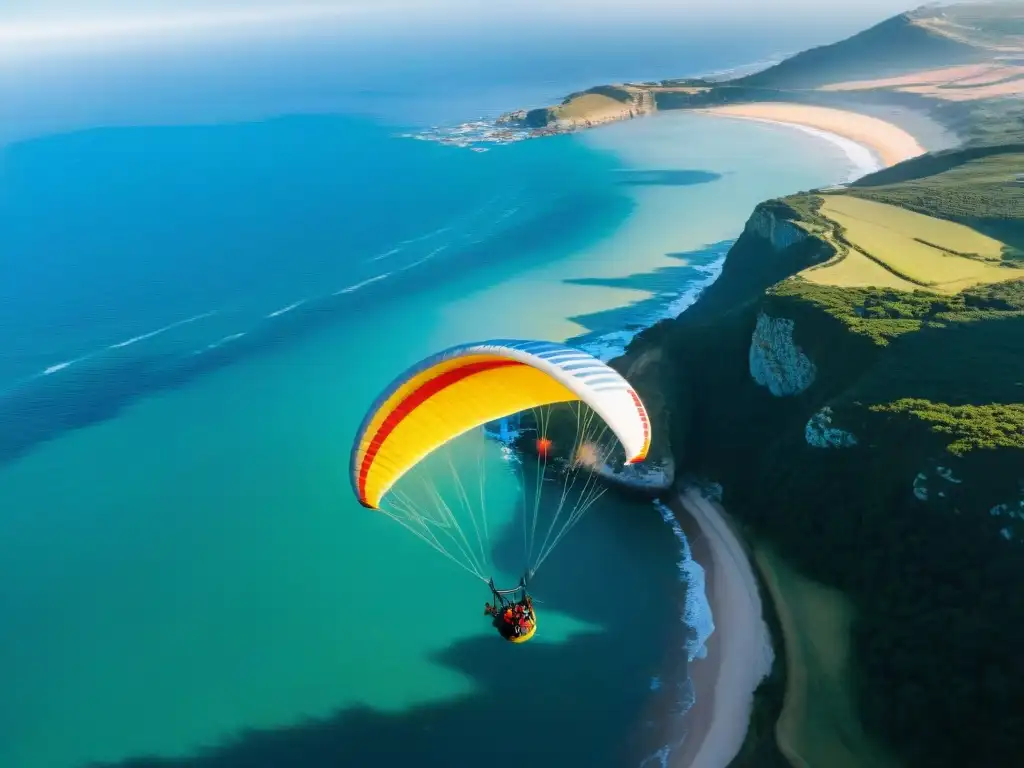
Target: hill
[(896, 46)]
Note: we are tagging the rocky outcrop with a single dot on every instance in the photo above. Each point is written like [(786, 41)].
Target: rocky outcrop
[(934, 481), (820, 433), (781, 233), (512, 118), (776, 362), (1012, 514), (587, 109), (538, 118)]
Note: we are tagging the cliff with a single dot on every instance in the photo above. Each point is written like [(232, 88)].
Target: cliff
[(586, 109), (860, 399)]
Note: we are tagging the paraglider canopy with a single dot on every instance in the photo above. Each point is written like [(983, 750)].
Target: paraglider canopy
[(468, 386), (471, 384)]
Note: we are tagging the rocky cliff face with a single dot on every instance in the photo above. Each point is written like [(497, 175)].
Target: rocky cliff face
[(776, 362), (820, 433), (1010, 514), (586, 109), (768, 225)]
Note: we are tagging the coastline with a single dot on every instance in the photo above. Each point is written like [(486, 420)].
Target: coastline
[(737, 653)]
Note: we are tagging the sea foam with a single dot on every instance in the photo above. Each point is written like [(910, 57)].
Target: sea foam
[(289, 308), (362, 284), (696, 613), (158, 331), (613, 344)]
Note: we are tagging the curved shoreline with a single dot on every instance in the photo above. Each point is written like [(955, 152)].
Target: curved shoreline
[(863, 158), (888, 143)]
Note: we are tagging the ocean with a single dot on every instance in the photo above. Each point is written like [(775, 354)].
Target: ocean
[(197, 310)]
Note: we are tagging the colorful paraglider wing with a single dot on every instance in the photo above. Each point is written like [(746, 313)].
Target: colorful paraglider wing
[(472, 384)]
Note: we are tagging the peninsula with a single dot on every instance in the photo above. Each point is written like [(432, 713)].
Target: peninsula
[(943, 61)]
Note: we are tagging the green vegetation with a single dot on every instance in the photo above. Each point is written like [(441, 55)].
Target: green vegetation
[(611, 91), (907, 297), (932, 387), (588, 106), (882, 315), (878, 315), (918, 249), (933, 164), (537, 118), (973, 187), (985, 122), (717, 95), (987, 23), (686, 82), (896, 46), (973, 427)]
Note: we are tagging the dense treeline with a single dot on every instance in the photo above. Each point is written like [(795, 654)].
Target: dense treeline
[(931, 387)]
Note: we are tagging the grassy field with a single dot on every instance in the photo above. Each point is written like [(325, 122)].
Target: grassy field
[(978, 191), (916, 251), (589, 106), (855, 270), (819, 724)]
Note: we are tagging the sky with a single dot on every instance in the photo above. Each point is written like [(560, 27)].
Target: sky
[(59, 23)]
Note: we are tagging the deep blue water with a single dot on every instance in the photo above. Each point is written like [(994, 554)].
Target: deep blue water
[(112, 233)]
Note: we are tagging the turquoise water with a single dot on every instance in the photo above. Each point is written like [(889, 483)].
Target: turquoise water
[(195, 319)]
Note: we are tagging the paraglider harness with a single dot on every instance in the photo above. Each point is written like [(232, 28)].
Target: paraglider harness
[(504, 608)]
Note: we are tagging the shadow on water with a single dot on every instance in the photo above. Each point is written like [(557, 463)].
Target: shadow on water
[(100, 387), (574, 702), (665, 178), (667, 285)]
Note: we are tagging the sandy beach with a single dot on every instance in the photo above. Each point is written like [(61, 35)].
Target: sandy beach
[(889, 143), (739, 653)]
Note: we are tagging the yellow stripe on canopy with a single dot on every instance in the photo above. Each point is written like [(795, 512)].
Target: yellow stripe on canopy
[(452, 410), (409, 386)]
